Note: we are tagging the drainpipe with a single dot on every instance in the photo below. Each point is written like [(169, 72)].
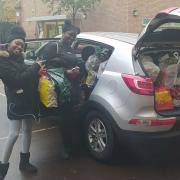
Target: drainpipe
[(127, 22)]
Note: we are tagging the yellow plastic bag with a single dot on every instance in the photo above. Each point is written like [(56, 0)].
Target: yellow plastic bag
[(48, 96)]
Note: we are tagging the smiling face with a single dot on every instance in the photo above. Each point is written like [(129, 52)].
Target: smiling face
[(16, 47), (69, 37)]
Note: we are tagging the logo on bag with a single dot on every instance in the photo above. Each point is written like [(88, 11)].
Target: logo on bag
[(19, 91)]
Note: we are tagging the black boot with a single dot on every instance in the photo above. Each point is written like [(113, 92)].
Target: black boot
[(3, 170), (65, 154), (24, 164)]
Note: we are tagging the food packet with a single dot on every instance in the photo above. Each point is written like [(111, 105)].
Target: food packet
[(163, 99)]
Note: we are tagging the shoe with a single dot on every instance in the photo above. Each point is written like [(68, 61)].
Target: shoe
[(24, 164), (3, 170), (64, 153)]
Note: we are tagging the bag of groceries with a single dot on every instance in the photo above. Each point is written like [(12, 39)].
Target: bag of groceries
[(151, 68), (169, 71), (47, 91), (62, 84)]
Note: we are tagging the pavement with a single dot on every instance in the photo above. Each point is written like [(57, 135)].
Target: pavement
[(45, 154)]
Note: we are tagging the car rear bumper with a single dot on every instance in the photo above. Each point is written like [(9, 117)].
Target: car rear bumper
[(154, 147), (149, 138), (172, 134)]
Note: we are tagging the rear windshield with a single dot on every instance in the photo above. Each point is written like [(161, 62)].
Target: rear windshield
[(167, 32), (170, 25)]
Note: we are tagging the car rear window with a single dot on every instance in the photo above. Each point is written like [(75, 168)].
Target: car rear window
[(171, 25)]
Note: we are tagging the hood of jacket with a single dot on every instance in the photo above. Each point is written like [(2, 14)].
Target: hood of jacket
[(4, 53)]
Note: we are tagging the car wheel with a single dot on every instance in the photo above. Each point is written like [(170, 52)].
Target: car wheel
[(99, 136)]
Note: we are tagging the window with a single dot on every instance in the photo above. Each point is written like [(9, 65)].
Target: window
[(171, 25), (96, 57)]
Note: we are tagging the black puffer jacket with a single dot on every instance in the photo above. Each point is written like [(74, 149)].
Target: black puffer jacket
[(58, 55), (21, 86), (64, 56)]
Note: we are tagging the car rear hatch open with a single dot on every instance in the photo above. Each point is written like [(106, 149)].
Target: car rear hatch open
[(158, 52)]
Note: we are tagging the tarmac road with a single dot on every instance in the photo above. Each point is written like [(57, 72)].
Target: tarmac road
[(45, 150)]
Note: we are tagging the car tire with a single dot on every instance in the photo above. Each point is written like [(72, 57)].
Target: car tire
[(99, 136)]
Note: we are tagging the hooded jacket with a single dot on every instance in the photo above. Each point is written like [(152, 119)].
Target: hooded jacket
[(58, 55), (21, 86)]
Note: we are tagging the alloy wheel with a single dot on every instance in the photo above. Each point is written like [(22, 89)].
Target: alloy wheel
[(97, 135)]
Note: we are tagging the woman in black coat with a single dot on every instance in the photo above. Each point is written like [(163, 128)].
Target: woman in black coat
[(63, 55), (21, 89)]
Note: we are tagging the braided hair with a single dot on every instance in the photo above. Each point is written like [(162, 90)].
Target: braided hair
[(69, 27)]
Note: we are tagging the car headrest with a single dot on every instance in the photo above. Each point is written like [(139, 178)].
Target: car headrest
[(87, 51)]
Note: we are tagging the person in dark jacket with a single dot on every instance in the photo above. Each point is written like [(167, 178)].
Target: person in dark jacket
[(21, 89), (63, 55)]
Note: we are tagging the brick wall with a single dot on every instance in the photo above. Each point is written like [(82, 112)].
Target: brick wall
[(9, 10), (109, 15), (116, 15), (32, 8)]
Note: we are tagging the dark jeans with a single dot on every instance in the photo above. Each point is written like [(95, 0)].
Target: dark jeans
[(66, 125), (66, 122), (70, 126)]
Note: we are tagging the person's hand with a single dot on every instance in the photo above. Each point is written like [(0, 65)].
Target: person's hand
[(74, 72), (41, 62), (42, 70), (76, 69)]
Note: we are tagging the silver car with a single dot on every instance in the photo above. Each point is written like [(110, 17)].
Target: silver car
[(122, 101)]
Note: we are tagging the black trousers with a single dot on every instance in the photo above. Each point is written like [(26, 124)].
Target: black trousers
[(65, 120), (66, 125)]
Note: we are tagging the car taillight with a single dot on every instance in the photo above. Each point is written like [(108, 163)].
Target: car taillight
[(138, 84)]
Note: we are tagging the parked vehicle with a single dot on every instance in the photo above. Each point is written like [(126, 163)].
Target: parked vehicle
[(122, 101), (34, 47)]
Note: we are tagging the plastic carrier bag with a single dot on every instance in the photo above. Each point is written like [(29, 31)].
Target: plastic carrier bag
[(62, 84), (167, 96), (92, 64), (47, 92), (151, 68), (175, 93), (169, 69)]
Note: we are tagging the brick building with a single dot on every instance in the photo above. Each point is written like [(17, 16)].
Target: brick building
[(7, 11), (115, 15), (124, 15), (31, 9)]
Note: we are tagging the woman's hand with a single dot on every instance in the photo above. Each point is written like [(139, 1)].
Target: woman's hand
[(74, 72), (42, 70), (40, 61)]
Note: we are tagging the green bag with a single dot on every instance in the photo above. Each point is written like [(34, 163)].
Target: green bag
[(62, 84)]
